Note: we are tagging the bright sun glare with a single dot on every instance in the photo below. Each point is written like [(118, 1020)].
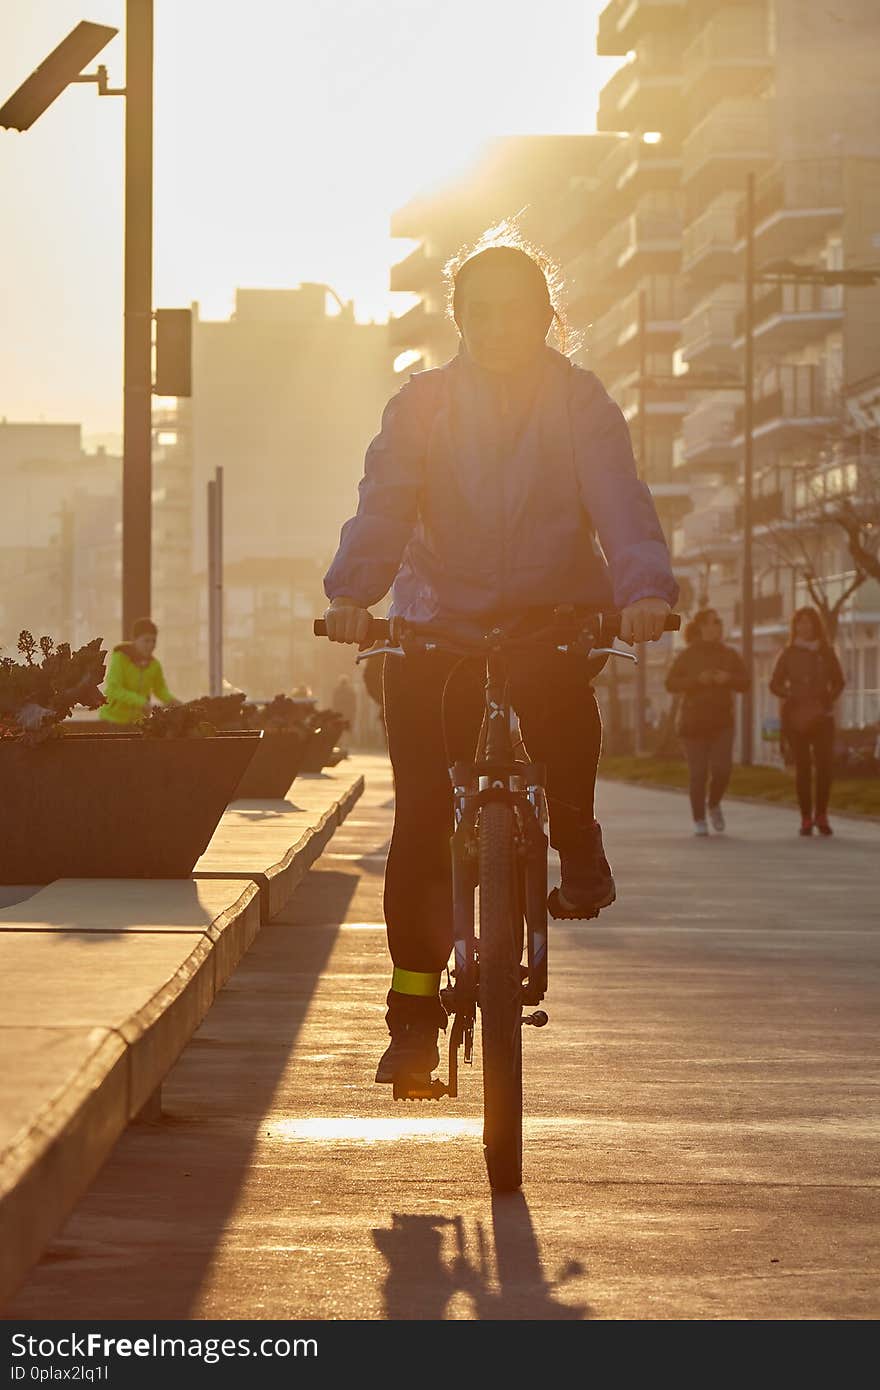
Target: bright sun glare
[(285, 137)]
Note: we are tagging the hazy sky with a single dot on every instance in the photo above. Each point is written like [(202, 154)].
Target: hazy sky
[(287, 131)]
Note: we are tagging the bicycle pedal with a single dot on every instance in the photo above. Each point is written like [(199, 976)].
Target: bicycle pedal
[(564, 914), (414, 1088)]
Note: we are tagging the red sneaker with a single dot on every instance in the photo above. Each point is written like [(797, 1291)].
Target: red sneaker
[(822, 826), (806, 825)]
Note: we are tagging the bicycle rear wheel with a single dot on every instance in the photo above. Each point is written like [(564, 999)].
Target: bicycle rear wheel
[(501, 941)]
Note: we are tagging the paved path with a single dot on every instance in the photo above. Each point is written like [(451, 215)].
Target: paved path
[(703, 1131)]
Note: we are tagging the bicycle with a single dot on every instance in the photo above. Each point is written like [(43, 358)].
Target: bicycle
[(500, 844)]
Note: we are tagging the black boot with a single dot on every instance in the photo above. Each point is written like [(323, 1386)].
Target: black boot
[(587, 881), (414, 1023)]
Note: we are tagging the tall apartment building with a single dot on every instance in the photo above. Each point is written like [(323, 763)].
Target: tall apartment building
[(713, 90)]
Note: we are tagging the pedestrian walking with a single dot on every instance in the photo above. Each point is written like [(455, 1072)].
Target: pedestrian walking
[(479, 504), (808, 679), (135, 676), (705, 675)]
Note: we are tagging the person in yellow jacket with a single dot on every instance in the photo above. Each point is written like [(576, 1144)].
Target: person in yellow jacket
[(134, 677)]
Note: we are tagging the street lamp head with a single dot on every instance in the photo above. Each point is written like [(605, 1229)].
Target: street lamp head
[(63, 66)]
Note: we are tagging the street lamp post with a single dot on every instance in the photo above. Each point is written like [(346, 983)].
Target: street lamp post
[(137, 464), (641, 673), (747, 601), (59, 70)]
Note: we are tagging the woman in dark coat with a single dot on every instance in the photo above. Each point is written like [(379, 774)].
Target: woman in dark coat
[(808, 679), (705, 675)]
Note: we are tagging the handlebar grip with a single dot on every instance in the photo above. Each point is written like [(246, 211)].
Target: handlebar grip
[(611, 626), (380, 629)]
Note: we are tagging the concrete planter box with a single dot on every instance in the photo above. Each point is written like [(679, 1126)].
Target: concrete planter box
[(273, 767), (114, 805), (321, 751)]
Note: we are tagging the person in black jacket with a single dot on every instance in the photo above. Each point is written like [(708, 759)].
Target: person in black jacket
[(705, 675), (808, 679)]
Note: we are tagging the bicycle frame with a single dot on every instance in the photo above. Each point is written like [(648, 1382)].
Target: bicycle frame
[(495, 774)]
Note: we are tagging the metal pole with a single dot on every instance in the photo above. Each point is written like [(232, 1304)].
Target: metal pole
[(138, 308), (747, 625), (212, 587), (641, 670), (218, 577)]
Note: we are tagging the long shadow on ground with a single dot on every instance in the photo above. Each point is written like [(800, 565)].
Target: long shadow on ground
[(142, 1240)]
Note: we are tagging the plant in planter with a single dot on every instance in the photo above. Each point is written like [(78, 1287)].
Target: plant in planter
[(37, 695), (280, 715), (202, 718)]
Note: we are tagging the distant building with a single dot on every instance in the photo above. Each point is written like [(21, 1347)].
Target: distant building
[(60, 535), (286, 398)]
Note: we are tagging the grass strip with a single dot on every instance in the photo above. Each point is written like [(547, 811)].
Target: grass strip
[(856, 795)]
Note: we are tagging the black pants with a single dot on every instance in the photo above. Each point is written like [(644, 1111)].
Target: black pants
[(709, 756), (561, 728), (813, 749)]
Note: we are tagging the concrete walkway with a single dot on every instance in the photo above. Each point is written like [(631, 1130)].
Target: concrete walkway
[(702, 1141)]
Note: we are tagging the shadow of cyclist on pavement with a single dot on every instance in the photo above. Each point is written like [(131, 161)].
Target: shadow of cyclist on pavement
[(430, 1261)]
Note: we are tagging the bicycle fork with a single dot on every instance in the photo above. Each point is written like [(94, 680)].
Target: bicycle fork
[(472, 787)]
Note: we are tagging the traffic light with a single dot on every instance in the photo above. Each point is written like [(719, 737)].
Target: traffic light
[(173, 352)]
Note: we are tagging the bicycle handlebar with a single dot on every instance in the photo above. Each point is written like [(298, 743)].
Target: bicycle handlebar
[(607, 629)]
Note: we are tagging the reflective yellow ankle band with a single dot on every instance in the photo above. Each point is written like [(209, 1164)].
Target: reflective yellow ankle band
[(414, 982)]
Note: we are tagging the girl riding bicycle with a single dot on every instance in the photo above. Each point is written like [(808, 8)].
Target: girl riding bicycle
[(481, 501)]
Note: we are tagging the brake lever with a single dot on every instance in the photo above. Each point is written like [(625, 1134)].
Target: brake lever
[(378, 651), (613, 651)]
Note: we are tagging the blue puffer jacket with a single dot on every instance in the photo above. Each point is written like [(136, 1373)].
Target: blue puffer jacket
[(483, 495)]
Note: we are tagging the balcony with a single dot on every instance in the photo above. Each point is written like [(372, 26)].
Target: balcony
[(416, 273), (708, 433), (708, 530), (623, 22), (718, 153), (846, 476), (766, 608), (589, 293), (796, 204), (792, 404), (615, 337), (414, 329), (708, 332), (635, 167), (786, 317), (647, 242), (767, 507), (727, 58), (576, 218), (643, 94), (664, 405), (709, 243)]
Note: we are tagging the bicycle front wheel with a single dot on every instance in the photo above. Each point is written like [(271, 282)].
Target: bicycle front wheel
[(501, 940)]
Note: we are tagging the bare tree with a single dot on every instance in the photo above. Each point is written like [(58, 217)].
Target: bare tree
[(857, 513), (789, 546)]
